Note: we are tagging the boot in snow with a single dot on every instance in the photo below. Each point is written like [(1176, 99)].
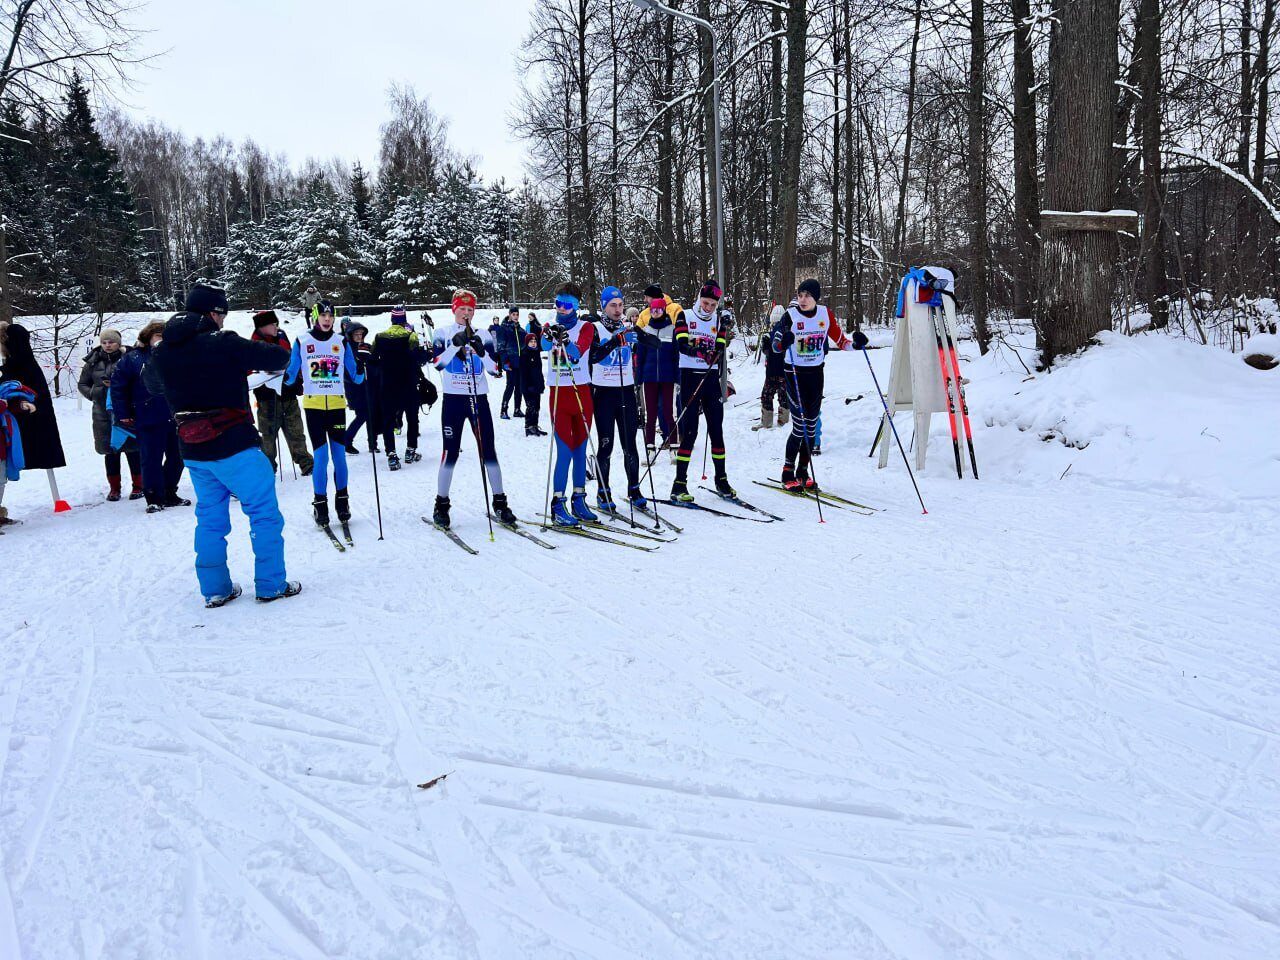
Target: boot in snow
[(113, 489), (680, 492), (412, 455), (636, 498), (504, 415), (440, 515), (766, 419), (789, 480), (534, 432), (393, 462), (605, 501), (578, 505), (559, 515), (222, 600), (291, 589), (784, 415), (136, 493), (502, 510), (320, 510), (722, 486), (171, 499), (341, 506)]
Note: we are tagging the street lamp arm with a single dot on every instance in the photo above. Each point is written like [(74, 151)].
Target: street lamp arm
[(658, 7)]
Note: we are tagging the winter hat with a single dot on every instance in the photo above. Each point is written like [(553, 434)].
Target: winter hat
[(324, 306), (263, 318), (109, 334), (609, 294), (653, 292), (399, 317), (633, 312), (206, 298), (712, 290), (811, 287), (657, 306), (463, 298)]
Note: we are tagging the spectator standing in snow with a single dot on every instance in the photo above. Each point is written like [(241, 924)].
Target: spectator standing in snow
[(658, 366), (201, 369), (398, 357), (278, 403), (41, 441), (309, 300), (18, 399), (360, 395), (775, 380), (532, 381), (95, 386), (508, 341), (147, 416)]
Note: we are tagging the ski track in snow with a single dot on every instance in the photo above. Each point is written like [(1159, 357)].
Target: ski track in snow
[(1038, 723)]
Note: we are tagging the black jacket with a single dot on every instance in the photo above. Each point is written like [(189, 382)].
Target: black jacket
[(201, 368), (41, 442)]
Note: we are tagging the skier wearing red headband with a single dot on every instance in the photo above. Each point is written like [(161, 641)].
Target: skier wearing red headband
[(464, 356)]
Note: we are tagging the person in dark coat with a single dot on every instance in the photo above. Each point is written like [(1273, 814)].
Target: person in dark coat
[(94, 386), (509, 341), (398, 357), (278, 403), (41, 441), (147, 416), (532, 381), (360, 395), (658, 365), (201, 370)]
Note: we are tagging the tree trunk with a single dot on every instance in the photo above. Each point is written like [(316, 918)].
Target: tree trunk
[(6, 303), (584, 151), (709, 67), (977, 164), (1152, 247), (666, 162), (775, 129), (900, 223), (852, 169), (784, 259), (1026, 201), (1077, 266)]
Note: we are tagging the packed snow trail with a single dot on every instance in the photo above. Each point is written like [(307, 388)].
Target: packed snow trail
[(1038, 723)]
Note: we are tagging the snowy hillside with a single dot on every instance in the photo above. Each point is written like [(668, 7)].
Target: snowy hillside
[(1039, 722)]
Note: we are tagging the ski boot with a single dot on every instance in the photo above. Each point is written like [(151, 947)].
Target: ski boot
[(578, 506), (393, 462), (559, 515), (504, 415), (636, 498), (113, 489), (810, 484), (221, 600), (605, 501), (341, 506), (680, 492), (502, 510), (412, 455), (723, 488), (291, 589), (790, 482), (817, 450), (171, 499), (440, 515), (320, 510)]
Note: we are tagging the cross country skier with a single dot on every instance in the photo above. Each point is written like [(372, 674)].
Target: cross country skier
[(463, 355), (802, 336), (569, 341), (613, 391), (702, 338), (398, 357), (321, 358)]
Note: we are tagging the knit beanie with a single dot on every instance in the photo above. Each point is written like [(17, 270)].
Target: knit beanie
[(109, 334), (811, 287), (206, 298), (264, 318), (711, 290)]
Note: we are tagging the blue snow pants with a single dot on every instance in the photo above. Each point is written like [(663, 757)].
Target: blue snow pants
[(248, 477)]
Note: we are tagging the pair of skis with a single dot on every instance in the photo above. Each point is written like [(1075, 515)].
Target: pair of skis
[(828, 499), (512, 528), (333, 537), (955, 392)]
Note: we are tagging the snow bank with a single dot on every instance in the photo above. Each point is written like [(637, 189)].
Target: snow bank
[(1152, 411)]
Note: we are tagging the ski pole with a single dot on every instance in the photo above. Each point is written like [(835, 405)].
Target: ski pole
[(684, 405), (892, 426), (377, 492), (798, 419), (475, 425)]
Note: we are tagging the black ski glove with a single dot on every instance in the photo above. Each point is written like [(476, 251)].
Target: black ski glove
[(460, 338), (476, 344), (559, 334), (859, 340)]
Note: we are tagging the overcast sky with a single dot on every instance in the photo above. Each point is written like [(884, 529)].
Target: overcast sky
[(309, 77)]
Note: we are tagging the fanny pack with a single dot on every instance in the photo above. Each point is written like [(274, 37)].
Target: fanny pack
[(201, 426)]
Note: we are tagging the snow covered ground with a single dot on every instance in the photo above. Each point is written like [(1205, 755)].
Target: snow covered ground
[(1039, 722)]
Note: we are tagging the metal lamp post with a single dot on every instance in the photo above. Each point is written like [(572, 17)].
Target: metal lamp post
[(718, 199)]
